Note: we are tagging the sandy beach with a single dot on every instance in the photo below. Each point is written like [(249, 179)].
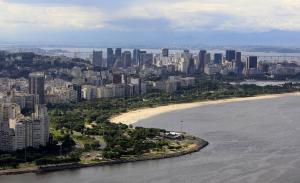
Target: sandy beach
[(141, 114)]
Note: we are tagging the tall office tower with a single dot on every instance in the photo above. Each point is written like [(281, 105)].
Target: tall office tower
[(218, 58), (191, 65), (141, 55), (126, 59), (186, 51), (238, 63), (136, 57), (37, 86), (41, 114), (230, 55), (97, 58), (238, 57), (118, 53), (251, 62), (202, 55), (207, 59), (146, 59), (187, 63), (110, 57), (165, 52)]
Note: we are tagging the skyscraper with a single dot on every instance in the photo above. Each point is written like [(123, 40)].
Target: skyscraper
[(238, 63), (37, 86), (230, 55), (146, 59), (126, 59), (97, 58), (118, 53), (251, 62), (136, 56), (142, 53), (191, 66), (110, 57), (238, 57), (207, 59), (218, 58), (165, 52), (202, 55)]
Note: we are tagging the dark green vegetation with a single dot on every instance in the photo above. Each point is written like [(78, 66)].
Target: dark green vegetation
[(125, 141), (122, 140), (55, 153), (82, 131), (75, 116)]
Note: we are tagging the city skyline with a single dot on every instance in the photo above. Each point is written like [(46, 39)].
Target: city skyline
[(150, 23)]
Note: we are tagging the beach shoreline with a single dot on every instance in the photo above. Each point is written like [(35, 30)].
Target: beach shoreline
[(134, 116)]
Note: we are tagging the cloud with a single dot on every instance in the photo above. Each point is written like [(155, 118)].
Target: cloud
[(14, 16), (139, 24), (172, 15), (235, 15)]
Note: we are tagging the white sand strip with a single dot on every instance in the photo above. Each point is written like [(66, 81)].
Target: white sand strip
[(141, 114)]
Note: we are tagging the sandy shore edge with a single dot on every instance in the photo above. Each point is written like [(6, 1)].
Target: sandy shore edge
[(135, 116)]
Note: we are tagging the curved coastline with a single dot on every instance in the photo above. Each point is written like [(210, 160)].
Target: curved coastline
[(197, 146), (134, 116)]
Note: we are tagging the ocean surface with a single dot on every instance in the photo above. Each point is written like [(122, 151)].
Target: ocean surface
[(250, 142)]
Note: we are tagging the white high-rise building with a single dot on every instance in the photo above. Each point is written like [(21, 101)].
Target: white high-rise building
[(41, 113), (27, 133), (18, 132), (7, 111)]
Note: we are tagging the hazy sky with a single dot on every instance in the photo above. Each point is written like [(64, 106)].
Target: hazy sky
[(128, 21)]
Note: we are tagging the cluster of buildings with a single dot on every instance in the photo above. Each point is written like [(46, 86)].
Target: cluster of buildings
[(18, 131), (187, 62), (86, 85), (114, 73), (126, 73), (131, 86), (283, 69)]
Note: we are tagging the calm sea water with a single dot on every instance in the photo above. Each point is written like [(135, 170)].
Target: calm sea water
[(250, 142)]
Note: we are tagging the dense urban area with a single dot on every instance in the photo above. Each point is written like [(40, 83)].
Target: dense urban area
[(57, 109)]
